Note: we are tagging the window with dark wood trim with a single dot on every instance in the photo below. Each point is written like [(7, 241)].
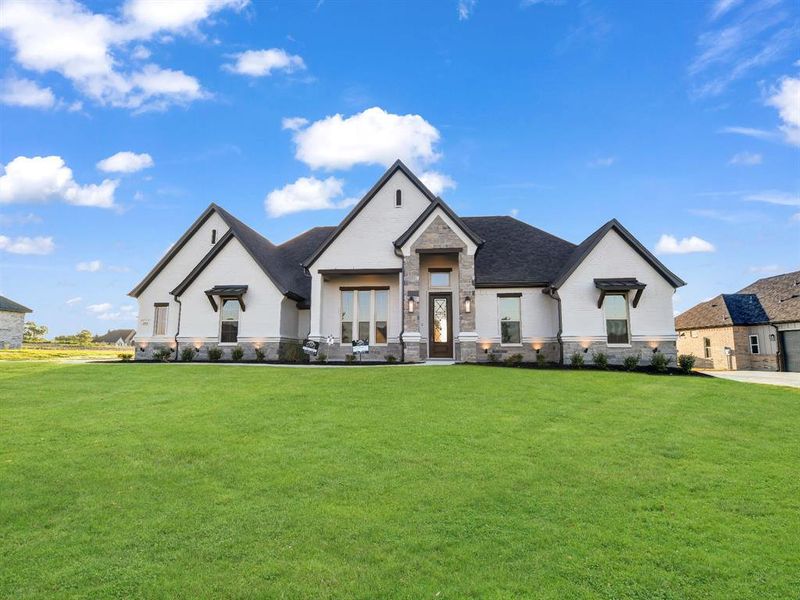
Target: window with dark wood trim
[(707, 347), (617, 325), (439, 277), (754, 348), (509, 310), (213, 236), (398, 198), (229, 321)]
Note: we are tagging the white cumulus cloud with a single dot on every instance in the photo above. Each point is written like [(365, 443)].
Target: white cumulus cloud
[(786, 98), (261, 63), (307, 193), (93, 50), (669, 244), (43, 178), (373, 136), (746, 159), (27, 245), (775, 197), (99, 308), (72, 301), (125, 162), (27, 93), (437, 182), (91, 266)]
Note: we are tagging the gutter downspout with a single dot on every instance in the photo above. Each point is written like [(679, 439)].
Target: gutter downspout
[(178, 330), (553, 293), (779, 346)]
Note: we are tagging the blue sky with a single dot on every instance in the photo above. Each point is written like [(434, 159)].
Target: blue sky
[(682, 120)]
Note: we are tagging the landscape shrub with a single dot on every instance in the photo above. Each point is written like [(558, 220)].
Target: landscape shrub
[(187, 354), (237, 353), (576, 360), (514, 360), (660, 361), (541, 360), (350, 358), (686, 362), (292, 352), (260, 355), (322, 357), (125, 356), (214, 354), (391, 359), (631, 362), (492, 357), (162, 354), (600, 360)]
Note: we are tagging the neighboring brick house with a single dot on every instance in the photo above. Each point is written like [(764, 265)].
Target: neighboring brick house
[(12, 323), (757, 328)]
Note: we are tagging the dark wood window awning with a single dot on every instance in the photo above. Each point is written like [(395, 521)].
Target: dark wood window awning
[(226, 291), (624, 284)]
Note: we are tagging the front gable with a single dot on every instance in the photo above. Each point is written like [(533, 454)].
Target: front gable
[(365, 237)]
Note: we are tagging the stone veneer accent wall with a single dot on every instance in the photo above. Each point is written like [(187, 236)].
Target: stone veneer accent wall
[(12, 325), (438, 235)]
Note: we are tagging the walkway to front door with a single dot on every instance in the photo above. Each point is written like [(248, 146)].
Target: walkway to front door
[(440, 330)]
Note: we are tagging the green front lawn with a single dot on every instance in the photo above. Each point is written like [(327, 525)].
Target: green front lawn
[(129, 480)]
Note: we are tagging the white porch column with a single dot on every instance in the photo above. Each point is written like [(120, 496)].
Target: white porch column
[(315, 325)]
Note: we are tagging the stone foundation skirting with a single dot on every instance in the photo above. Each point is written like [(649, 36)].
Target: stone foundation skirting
[(499, 353), (617, 354), (273, 351)]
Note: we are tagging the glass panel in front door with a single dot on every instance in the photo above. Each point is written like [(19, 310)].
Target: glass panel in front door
[(440, 332)]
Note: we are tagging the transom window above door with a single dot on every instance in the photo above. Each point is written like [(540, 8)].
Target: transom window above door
[(440, 277)]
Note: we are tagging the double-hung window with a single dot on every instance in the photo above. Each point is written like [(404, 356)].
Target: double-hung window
[(707, 347), (364, 314), (160, 319), (229, 317), (509, 313), (616, 309), (754, 349)]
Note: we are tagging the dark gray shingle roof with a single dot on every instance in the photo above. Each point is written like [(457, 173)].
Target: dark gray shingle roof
[(8, 305), (724, 310), (113, 335), (779, 295), (514, 252)]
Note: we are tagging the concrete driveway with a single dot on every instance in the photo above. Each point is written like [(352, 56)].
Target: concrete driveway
[(767, 377)]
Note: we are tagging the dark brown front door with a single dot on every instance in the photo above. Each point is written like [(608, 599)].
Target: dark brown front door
[(440, 325)]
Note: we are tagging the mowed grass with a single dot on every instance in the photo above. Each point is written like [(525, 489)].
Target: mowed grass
[(437, 482)]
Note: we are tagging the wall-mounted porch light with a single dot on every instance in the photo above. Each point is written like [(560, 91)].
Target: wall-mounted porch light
[(468, 304), (586, 349), (411, 304), (771, 337), (655, 349)]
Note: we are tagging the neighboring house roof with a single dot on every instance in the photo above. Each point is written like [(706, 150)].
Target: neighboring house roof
[(8, 305), (724, 310), (126, 335), (779, 295), (515, 253), (397, 166), (586, 246), (438, 203), (768, 300)]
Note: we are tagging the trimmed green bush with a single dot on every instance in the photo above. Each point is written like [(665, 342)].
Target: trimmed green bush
[(237, 353), (214, 354), (125, 356), (188, 354), (162, 354), (350, 358), (686, 362), (260, 355), (492, 357), (600, 360), (576, 360), (322, 357), (292, 352), (541, 360), (514, 360), (391, 359), (660, 361), (631, 361)]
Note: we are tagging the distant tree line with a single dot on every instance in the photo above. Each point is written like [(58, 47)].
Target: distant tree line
[(35, 333)]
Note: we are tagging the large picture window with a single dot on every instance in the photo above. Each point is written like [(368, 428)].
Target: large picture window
[(229, 329), (365, 315), (509, 310), (616, 308), (160, 319)]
